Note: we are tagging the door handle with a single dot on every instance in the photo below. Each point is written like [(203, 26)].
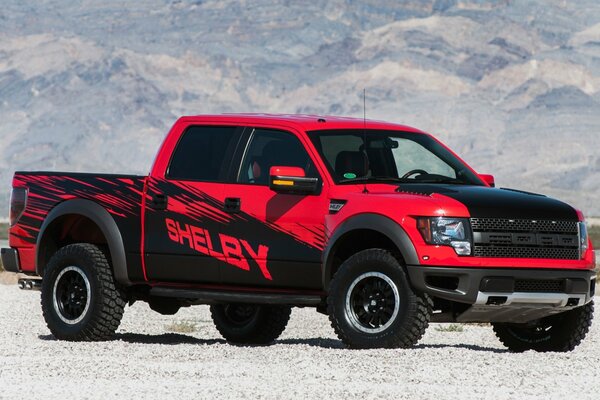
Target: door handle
[(159, 201), (232, 204)]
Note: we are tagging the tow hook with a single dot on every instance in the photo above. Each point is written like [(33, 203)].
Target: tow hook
[(30, 284)]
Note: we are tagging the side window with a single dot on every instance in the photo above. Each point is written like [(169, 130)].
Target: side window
[(203, 153), (269, 148)]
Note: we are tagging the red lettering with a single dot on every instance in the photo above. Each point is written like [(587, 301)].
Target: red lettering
[(233, 251), (198, 235), (260, 257), (172, 230), (232, 248), (211, 252), (184, 233)]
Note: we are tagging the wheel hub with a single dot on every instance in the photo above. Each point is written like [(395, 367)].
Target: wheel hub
[(372, 302), (71, 295)]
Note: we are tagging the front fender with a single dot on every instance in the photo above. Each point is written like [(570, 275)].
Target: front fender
[(376, 222)]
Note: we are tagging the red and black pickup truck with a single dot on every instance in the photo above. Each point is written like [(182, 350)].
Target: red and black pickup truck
[(378, 225)]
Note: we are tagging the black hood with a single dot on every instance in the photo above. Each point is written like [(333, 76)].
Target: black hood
[(486, 202)]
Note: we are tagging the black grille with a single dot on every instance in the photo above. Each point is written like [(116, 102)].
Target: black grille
[(526, 252), (540, 285), (518, 238), (523, 225)]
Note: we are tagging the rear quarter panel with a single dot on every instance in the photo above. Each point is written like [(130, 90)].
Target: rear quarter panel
[(120, 195)]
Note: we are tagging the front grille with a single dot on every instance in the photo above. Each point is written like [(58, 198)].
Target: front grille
[(523, 225), (540, 285), (518, 238)]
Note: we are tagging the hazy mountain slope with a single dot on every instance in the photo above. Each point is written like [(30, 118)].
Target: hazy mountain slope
[(514, 87)]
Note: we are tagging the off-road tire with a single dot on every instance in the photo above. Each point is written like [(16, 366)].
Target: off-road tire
[(101, 317), (407, 324), (250, 323), (561, 332)]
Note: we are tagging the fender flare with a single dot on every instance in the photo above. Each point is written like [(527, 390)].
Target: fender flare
[(375, 222), (103, 220)]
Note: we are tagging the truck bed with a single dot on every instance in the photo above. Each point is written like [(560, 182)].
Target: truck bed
[(120, 195)]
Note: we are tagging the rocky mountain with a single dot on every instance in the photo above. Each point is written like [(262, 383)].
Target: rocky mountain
[(512, 86)]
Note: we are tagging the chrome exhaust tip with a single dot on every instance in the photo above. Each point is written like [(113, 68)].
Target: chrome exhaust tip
[(30, 284)]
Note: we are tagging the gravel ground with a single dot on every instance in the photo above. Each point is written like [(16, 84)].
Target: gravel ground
[(147, 361)]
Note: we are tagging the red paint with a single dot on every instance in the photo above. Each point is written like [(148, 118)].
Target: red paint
[(488, 179), (295, 172)]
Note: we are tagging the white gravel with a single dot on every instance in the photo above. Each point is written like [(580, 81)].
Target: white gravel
[(146, 362)]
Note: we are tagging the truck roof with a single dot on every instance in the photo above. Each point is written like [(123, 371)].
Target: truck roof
[(302, 121)]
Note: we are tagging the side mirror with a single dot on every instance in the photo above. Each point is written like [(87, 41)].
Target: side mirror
[(291, 180), (489, 179)]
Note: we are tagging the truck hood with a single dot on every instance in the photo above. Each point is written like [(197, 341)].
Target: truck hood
[(486, 202)]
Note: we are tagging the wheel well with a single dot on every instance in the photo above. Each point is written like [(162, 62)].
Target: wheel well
[(64, 230), (358, 240)]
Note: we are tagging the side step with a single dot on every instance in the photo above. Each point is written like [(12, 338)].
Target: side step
[(202, 296)]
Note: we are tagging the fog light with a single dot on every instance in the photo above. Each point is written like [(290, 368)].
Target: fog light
[(461, 248)]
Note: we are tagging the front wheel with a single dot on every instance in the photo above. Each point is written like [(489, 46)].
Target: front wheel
[(250, 323), (80, 301), (371, 304), (561, 332)]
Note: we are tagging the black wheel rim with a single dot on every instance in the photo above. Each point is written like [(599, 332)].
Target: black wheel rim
[(372, 302), (240, 314), (71, 295)]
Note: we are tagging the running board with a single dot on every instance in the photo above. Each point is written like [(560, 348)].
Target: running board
[(213, 296)]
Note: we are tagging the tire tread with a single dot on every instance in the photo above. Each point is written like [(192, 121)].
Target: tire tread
[(417, 315), (105, 322)]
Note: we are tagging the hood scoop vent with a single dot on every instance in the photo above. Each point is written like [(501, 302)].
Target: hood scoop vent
[(423, 189), (414, 192)]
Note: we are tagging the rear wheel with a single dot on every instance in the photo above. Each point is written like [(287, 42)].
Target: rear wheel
[(561, 332), (250, 323), (79, 298), (371, 304)]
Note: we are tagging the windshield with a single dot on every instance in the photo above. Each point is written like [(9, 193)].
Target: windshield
[(389, 156)]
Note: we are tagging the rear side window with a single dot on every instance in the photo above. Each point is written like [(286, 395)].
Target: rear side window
[(204, 153)]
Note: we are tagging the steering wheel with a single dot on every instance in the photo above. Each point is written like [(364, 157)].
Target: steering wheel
[(414, 171)]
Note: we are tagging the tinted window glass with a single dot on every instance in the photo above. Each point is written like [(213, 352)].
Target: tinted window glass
[(203, 153), (269, 148)]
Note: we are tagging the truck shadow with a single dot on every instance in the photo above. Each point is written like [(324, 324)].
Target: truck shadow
[(324, 343), (164, 338), (338, 344), (473, 347)]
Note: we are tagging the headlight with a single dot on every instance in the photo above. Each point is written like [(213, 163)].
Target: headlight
[(583, 239), (455, 232)]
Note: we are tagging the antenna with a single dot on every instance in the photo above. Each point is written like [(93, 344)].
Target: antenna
[(365, 108), (365, 190)]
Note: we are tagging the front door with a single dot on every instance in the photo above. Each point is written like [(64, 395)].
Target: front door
[(283, 234)]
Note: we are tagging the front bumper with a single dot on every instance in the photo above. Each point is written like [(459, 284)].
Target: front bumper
[(10, 259), (506, 294)]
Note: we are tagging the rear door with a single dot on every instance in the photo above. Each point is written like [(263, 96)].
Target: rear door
[(186, 219)]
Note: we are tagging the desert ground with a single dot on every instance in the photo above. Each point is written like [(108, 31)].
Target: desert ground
[(183, 357)]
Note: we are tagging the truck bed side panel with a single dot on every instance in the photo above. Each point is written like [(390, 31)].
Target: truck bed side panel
[(120, 195)]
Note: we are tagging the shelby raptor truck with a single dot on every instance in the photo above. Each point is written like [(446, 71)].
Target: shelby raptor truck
[(378, 225)]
